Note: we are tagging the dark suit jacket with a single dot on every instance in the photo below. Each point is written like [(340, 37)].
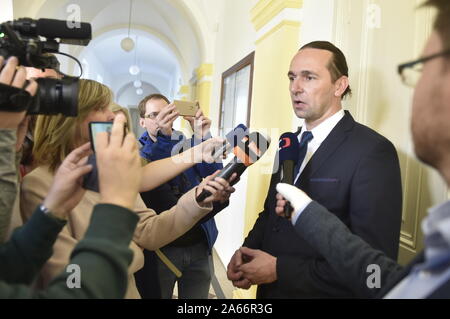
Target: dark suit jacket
[(349, 255), (355, 174)]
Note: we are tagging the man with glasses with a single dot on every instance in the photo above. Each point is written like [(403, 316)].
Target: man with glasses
[(347, 167), (428, 275), (187, 259)]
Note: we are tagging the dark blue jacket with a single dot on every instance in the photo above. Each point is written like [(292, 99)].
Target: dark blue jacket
[(166, 146), (354, 174)]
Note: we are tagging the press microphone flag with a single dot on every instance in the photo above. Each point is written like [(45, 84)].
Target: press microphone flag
[(288, 157), (231, 140), (247, 151)]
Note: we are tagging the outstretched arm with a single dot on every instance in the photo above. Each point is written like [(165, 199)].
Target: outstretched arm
[(347, 254), (159, 172)]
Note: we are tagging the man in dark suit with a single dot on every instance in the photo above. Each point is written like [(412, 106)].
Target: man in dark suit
[(428, 275), (345, 166)]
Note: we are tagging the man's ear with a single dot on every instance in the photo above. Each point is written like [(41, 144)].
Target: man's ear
[(341, 85), (142, 122)]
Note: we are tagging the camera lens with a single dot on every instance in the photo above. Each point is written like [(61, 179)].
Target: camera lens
[(56, 96)]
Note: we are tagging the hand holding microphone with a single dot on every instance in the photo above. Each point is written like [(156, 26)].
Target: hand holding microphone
[(290, 194), (247, 151), (218, 188)]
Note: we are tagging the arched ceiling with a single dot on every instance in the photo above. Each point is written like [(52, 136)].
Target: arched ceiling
[(172, 36)]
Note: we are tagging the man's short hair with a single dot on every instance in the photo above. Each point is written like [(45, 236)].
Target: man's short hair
[(442, 22), (338, 64), (155, 96)]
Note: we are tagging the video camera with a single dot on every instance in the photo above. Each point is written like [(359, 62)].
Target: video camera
[(32, 42)]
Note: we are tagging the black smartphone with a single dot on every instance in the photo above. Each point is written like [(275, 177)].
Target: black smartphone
[(97, 127)]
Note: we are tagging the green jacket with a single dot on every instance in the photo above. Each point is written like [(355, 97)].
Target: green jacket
[(8, 178), (103, 256)]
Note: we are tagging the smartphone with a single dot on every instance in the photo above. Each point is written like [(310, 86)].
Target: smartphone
[(97, 127), (186, 108)]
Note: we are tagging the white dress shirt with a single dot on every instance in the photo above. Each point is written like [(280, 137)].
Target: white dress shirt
[(320, 133)]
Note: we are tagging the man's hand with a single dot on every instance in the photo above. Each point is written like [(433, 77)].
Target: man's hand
[(66, 191), (119, 165), (234, 274), (9, 76), (200, 124), (262, 267), (219, 188), (165, 119)]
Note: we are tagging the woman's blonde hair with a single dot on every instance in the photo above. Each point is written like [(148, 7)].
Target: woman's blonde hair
[(115, 108), (56, 136)]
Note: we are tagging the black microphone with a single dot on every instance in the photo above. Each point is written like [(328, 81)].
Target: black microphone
[(288, 158), (80, 34), (247, 151)]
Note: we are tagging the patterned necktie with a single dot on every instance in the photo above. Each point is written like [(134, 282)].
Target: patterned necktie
[(303, 147)]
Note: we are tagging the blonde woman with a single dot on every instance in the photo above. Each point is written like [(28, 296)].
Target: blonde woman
[(116, 109), (57, 136)]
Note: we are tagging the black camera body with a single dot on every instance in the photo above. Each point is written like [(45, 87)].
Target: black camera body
[(32, 41)]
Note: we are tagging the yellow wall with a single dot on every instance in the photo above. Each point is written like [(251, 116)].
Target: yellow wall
[(271, 107), (204, 72), (271, 110), (201, 93)]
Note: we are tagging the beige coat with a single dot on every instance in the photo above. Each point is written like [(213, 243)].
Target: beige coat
[(153, 231)]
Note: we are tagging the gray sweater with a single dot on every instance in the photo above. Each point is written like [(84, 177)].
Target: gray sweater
[(346, 253)]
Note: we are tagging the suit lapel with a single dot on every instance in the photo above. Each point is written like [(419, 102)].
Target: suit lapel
[(336, 137)]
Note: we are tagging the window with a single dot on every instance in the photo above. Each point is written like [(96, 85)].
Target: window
[(236, 94)]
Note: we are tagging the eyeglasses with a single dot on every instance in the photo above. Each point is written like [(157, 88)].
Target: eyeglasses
[(151, 116), (411, 72)]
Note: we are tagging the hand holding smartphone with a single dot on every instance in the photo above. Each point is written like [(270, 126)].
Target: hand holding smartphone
[(97, 127), (186, 108), (90, 180)]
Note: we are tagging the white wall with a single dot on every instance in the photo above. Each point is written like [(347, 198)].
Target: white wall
[(128, 96), (317, 17), (317, 21), (6, 12), (235, 40), (160, 81), (94, 68)]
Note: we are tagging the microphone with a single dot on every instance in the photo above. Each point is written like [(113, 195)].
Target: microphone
[(247, 151), (231, 140), (288, 158), (51, 28)]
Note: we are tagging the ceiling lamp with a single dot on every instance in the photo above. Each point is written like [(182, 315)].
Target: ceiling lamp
[(137, 84), (139, 91), (127, 43), (134, 70)]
